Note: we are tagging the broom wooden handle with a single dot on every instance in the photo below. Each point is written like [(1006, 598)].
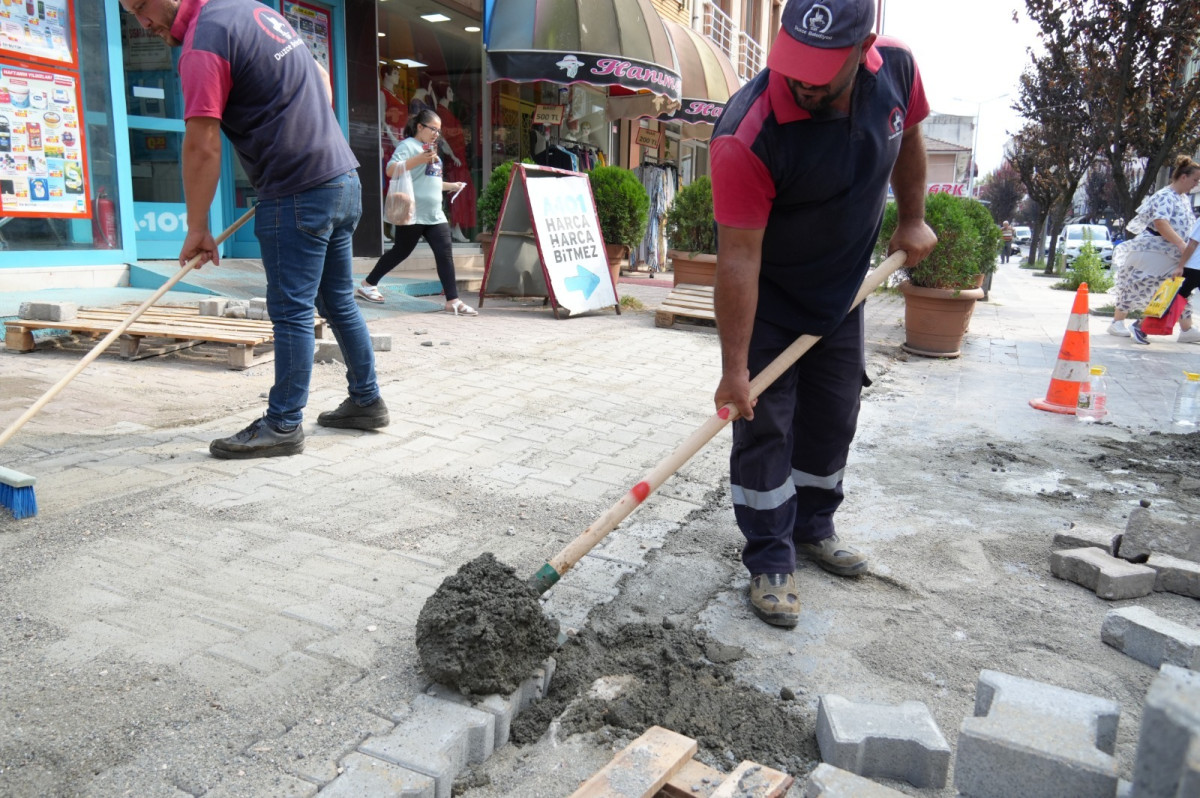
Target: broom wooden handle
[(105, 342), (550, 573)]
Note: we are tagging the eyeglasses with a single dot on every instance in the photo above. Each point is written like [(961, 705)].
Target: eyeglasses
[(437, 131)]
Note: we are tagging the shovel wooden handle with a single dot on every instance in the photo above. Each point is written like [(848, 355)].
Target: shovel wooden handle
[(553, 570), (115, 334)]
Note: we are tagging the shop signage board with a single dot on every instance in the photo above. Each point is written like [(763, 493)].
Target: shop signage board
[(649, 138), (38, 30), (548, 243), (548, 115), (43, 157), (314, 26)]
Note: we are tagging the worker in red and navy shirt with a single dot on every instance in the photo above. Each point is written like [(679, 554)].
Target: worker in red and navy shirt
[(245, 72), (801, 161)]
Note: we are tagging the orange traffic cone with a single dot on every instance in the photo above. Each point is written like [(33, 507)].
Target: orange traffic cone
[(1073, 357)]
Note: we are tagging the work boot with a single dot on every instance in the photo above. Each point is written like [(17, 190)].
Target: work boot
[(259, 439), (351, 416), (773, 598), (834, 556)]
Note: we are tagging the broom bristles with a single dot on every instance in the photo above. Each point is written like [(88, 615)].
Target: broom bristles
[(16, 493)]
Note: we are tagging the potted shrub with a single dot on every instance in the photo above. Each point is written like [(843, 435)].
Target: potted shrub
[(691, 234), (623, 207), (941, 291), (487, 209)]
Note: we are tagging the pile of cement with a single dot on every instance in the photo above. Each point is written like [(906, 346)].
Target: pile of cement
[(483, 631), (678, 679)]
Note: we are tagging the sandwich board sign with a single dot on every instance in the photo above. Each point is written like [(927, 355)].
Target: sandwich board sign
[(547, 243)]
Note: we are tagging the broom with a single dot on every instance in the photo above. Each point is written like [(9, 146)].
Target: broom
[(16, 489)]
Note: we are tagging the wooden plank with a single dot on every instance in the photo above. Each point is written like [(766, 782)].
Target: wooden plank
[(694, 780), (694, 313), (17, 339), (642, 767), (663, 319), (751, 780)]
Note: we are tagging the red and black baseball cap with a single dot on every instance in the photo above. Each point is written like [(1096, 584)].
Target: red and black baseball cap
[(816, 37)]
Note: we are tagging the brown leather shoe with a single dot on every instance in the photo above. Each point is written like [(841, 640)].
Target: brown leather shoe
[(773, 598), (834, 556)]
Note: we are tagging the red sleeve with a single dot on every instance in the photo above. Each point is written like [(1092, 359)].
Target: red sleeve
[(206, 82), (918, 105), (743, 190)]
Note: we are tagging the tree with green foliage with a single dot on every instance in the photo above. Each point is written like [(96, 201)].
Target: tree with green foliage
[(1003, 190)]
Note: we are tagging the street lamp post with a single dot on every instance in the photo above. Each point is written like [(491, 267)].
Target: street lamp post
[(972, 167)]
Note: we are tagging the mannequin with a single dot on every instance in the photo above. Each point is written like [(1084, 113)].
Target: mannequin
[(454, 141), (393, 114)]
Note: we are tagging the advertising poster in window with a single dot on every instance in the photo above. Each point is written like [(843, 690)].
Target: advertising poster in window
[(43, 158), (38, 30), (314, 26)]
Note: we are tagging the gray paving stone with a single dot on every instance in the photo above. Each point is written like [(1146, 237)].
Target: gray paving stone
[(1168, 752), (365, 776), (437, 738), (1147, 534), (1175, 575), (1037, 741), (264, 785), (1111, 577), (505, 708), (881, 741), (213, 307), (1147, 637), (48, 311), (826, 781), (1082, 537), (327, 351), (381, 343)]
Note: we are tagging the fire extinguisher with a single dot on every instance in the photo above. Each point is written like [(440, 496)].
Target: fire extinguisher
[(104, 222)]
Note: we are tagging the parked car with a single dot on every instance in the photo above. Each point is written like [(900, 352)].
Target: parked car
[(1074, 236), (1022, 235)]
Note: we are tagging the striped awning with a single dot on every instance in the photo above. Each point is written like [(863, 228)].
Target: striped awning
[(709, 80), (599, 42)]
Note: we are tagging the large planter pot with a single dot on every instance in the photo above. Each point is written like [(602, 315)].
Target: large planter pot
[(936, 319), (485, 242), (693, 268), (617, 254)]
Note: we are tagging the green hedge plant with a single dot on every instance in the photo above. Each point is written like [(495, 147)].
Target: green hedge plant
[(488, 206), (963, 251), (622, 204), (690, 219)]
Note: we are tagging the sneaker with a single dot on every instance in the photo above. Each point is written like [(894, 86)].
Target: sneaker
[(773, 598), (1139, 337), (368, 292), (834, 556), (1191, 336), (1118, 328), (259, 439), (350, 416)]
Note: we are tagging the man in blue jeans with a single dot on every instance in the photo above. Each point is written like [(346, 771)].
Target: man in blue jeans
[(244, 71)]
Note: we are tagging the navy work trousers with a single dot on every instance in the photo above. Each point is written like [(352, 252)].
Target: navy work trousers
[(786, 465)]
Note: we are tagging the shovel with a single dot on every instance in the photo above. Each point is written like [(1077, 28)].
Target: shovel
[(482, 630)]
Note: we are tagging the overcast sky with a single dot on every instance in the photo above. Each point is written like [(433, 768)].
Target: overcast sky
[(970, 52)]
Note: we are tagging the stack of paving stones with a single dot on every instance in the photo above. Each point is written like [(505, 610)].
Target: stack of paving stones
[(1026, 739), (323, 352), (1033, 739), (48, 311)]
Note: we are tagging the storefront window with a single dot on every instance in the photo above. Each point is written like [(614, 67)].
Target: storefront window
[(573, 136), (58, 173), (435, 65)]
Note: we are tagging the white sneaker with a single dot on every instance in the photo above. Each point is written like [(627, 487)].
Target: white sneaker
[(1191, 336), (368, 292), (1119, 328)]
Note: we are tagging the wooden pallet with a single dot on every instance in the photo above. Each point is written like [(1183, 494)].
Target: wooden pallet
[(660, 764), (161, 329), (686, 300)]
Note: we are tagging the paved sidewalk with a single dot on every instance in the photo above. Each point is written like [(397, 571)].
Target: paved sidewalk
[(261, 606)]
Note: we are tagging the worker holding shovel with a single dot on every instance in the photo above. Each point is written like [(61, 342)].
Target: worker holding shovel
[(801, 161), (245, 71)]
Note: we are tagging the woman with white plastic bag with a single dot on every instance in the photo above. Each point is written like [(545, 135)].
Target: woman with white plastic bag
[(416, 159), (1143, 262)]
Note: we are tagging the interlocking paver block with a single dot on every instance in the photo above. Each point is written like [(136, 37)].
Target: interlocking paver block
[(1111, 577), (364, 776), (504, 707), (1082, 537), (1150, 638), (826, 781), (437, 738), (48, 311), (1168, 752), (1146, 534), (325, 351), (1036, 740), (381, 343), (880, 741), (212, 307), (1175, 575)]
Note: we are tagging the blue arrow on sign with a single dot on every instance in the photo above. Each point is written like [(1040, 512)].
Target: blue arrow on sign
[(585, 281)]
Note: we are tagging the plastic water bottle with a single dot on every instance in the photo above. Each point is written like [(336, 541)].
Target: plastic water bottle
[(1093, 397), (1186, 415)]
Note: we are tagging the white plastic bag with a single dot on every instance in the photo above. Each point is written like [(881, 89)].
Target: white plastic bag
[(400, 207)]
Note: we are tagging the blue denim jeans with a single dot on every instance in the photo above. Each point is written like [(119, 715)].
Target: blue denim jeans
[(306, 254)]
